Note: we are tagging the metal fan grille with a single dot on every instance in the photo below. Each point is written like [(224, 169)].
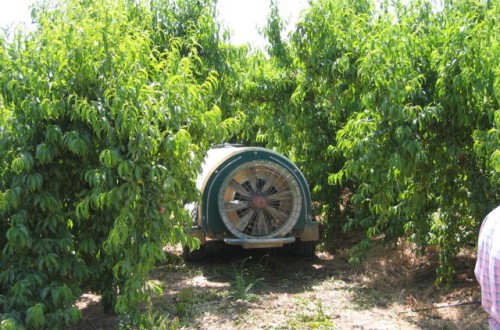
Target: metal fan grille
[(260, 199)]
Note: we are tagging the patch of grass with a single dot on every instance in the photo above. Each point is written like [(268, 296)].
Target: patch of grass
[(188, 300), (157, 320), (152, 318), (311, 315), (244, 280)]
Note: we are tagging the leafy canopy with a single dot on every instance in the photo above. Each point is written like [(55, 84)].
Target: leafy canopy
[(111, 111)]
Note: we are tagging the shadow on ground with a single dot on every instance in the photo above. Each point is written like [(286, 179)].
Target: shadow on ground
[(271, 289)]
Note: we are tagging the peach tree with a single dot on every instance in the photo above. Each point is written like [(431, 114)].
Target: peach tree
[(106, 132), (397, 104)]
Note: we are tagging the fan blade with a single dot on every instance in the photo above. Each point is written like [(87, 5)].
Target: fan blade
[(261, 227), (252, 178), (281, 196), (277, 214), (235, 205), (242, 222), (239, 188)]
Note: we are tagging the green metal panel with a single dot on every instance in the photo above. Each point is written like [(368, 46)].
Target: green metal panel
[(222, 163)]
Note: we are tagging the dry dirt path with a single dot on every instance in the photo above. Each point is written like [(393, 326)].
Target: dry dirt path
[(235, 289)]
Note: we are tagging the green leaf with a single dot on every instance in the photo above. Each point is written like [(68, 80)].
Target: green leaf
[(35, 316)]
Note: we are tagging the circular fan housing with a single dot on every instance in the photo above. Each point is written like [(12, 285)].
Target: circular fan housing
[(254, 197), (260, 199)]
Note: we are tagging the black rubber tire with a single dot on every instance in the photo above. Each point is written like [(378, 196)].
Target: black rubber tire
[(304, 249), (194, 255)]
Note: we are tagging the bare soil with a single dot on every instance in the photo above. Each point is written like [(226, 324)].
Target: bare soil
[(270, 289)]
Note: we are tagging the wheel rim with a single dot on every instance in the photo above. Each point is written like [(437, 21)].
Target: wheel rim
[(260, 199)]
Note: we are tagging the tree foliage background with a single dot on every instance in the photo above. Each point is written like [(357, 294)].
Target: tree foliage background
[(398, 105), (108, 107)]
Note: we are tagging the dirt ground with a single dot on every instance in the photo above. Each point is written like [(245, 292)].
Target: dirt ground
[(269, 289)]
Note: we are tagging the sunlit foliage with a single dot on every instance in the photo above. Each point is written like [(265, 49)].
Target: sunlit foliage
[(398, 103), (111, 111)]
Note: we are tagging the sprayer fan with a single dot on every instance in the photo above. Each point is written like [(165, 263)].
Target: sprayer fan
[(260, 199)]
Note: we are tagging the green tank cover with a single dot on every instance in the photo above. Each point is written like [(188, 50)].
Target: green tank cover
[(252, 192)]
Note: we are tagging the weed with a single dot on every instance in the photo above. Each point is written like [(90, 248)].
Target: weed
[(152, 318), (311, 316), (156, 320), (243, 282), (189, 299)]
